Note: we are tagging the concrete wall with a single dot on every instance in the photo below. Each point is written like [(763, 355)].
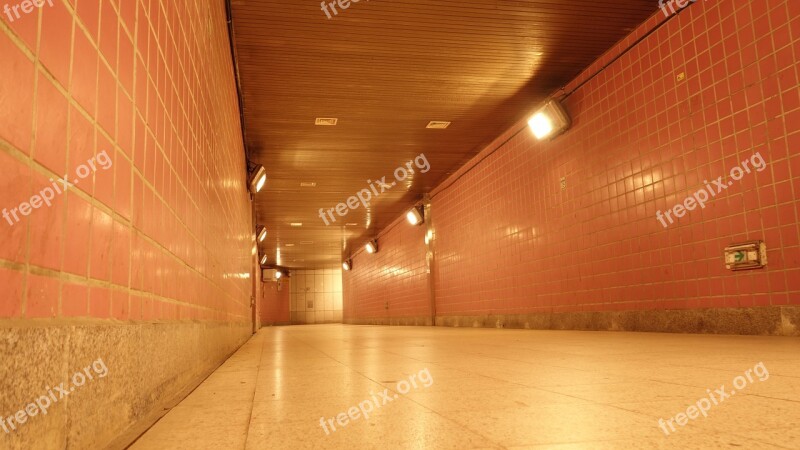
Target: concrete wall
[(144, 263), (699, 95)]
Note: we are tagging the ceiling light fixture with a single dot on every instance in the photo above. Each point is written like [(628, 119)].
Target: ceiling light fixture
[(550, 121), (263, 259), (372, 247), (438, 125), (296, 224), (262, 234), (416, 216), (326, 121), (258, 178), (347, 265)]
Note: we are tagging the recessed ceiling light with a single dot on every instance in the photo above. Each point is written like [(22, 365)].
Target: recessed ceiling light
[(289, 245), (296, 224), (351, 224), (326, 121), (438, 125), (308, 184), (306, 242)]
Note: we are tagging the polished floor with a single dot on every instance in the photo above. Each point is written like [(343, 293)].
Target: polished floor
[(483, 388)]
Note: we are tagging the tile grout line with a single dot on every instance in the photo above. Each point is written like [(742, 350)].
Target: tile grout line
[(255, 388)]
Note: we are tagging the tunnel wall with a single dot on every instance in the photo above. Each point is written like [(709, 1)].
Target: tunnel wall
[(274, 308), (695, 97), (391, 284), (142, 264)]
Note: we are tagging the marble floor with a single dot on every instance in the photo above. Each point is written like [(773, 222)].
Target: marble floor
[(340, 386)]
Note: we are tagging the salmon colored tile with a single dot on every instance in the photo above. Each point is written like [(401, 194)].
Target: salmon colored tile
[(107, 101), (128, 14), (47, 223), (120, 307), (74, 300), (102, 169), (121, 254), (99, 303), (89, 15), (124, 123), (123, 186), (15, 189), (54, 50), (23, 24), (109, 24), (101, 237), (76, 248), (50, 147), (81, 150), (84, 71), (16, 84), (43, 297), (12, 282)]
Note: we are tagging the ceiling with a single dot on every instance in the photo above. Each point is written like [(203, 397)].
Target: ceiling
[(384, 69)]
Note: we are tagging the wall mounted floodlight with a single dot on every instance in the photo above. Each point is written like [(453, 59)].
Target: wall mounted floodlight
[(262, 234), (371, 247), (416, 216), (550, 121), (258, 178)]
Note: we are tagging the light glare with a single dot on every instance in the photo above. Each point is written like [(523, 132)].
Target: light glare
[(261, 182), (541, 125)]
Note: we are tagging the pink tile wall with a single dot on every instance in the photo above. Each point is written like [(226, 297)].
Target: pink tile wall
[(274, 308), (509, 240), (393, 277), (164, 233)]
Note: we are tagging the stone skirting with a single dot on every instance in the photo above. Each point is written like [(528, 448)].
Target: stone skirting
[(151, 366), (773, 320)]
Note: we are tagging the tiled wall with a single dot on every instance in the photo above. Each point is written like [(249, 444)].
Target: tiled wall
[(392, 282), (316, 296), (511, 241), (164, 234), (275, 302)]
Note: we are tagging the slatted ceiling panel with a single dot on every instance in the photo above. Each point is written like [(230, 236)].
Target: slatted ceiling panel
[(385, 68)]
